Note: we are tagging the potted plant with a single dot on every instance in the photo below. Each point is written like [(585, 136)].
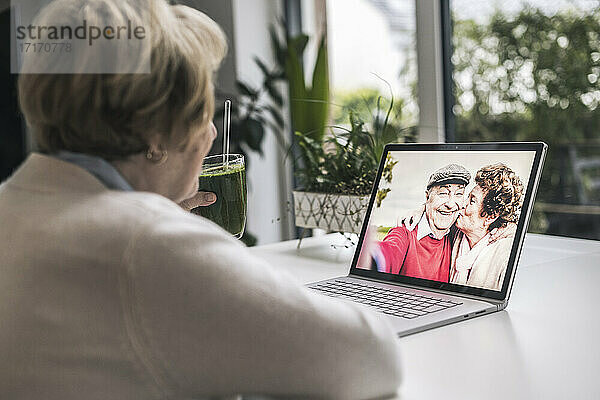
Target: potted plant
[(334, 172), (338, 173)]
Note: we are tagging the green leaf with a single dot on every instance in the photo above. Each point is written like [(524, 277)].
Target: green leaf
[(263, 67), (254, 134), (297, 89), (278, 47), (319, 93), (298, 43), (274, 93), (246, 90), (276, 116)]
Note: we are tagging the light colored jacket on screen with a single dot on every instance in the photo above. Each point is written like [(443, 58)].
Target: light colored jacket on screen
[(484, 265), (122, 295)]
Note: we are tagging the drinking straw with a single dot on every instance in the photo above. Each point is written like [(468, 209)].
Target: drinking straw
[(226, 129)]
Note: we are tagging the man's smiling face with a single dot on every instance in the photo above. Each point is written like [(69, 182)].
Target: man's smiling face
[(442, 205)]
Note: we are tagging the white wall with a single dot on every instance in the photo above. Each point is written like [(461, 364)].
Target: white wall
[(268, 190)]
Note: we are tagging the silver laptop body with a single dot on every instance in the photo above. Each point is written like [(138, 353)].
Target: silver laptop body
[(460, 302)]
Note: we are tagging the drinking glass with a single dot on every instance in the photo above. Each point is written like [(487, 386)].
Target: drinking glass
[(226, 177)]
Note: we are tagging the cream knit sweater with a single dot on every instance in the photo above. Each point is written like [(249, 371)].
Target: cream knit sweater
[(483, 266), (123, 295)]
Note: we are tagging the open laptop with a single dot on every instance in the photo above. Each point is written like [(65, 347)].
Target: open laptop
[(449, 267)]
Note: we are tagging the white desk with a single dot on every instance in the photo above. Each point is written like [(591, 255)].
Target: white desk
[(545, 345)]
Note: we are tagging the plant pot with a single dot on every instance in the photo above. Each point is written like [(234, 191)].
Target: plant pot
[(331, 212)]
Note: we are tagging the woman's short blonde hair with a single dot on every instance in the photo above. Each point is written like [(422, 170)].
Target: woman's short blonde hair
[(114, 115)]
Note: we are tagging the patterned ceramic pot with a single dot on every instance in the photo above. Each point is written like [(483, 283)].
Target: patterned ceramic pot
[(331, 212)]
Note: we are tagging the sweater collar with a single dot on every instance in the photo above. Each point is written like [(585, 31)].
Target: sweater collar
[(100, 168), (423, 229)]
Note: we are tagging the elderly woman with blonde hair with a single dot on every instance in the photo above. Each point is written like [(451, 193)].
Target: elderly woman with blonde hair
[(110, 290)]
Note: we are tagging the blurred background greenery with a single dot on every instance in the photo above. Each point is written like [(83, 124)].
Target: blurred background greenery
[(535, 76)]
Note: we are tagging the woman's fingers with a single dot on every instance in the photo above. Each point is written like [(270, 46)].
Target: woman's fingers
[(200, 199)]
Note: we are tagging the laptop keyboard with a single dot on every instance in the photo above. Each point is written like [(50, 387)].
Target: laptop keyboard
[(388, 301)]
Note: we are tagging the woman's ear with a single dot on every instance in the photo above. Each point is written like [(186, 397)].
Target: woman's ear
[(156, 143), (157, 152)]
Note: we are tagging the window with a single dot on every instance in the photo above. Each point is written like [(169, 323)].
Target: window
[(372, 53), (527, 71)]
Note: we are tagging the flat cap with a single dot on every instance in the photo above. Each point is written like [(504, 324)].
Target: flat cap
[(451, 173)]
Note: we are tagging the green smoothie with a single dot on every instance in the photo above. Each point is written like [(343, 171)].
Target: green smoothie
[(229, 184)]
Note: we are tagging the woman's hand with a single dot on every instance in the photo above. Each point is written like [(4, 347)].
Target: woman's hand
[(200, 199), (411, 219), (500, 233)]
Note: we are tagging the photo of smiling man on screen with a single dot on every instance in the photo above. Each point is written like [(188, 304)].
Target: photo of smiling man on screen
[(425, 251)]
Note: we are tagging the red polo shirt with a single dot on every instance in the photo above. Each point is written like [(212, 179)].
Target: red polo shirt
[(426, 258)]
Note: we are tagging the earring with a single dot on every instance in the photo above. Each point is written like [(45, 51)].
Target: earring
[(152, 156)]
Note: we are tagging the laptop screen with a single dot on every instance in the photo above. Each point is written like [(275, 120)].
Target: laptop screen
[(446, 219)]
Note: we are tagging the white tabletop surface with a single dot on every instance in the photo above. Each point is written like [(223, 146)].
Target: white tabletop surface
[(545, 345)]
